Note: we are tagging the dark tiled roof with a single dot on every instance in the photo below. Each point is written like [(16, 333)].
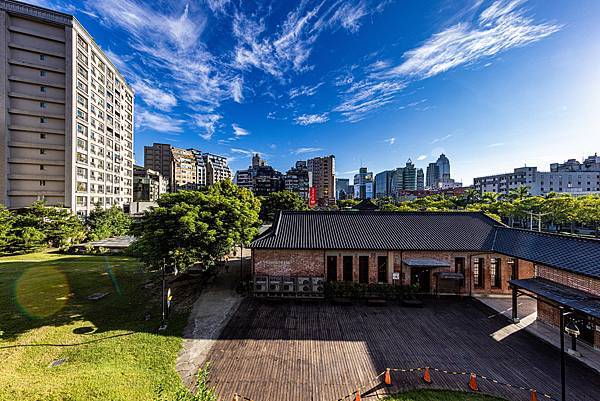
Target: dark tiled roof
[(575, 254), (568, 296), (460, 231)]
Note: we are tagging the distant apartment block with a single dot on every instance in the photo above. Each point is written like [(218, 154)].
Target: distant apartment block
[(186, 168), (571, 177), (322, 170), (260, 178), (66, 124), (159, 157), (216, 168), (148, 185), (297, 180)]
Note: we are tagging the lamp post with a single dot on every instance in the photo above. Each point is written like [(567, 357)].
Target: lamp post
[(572, 329)]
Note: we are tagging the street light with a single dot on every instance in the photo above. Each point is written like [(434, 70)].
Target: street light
[(571, 329)]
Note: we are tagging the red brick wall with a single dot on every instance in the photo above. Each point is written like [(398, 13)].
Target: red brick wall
[(312, 264), (275, 262), (573, 280)]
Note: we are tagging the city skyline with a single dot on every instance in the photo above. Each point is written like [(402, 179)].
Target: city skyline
[(493, 85)]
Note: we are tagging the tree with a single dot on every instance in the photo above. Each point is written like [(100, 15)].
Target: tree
[(588, 212), (281, 200), (105, 223), (347, 203), (518, 193), (469, 197), (6, 230), (197, 226), (560, 209)]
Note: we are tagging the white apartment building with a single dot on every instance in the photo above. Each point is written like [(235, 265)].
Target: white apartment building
[(572, 177), (66, 114)]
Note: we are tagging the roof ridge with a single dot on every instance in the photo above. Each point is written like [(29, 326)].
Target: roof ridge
[(549, 234)]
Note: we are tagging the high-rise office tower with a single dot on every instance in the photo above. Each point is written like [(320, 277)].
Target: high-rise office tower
[(66, 120), (323, 178)]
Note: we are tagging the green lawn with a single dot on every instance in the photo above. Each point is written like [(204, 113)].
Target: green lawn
[(110, 350), (441, 395)]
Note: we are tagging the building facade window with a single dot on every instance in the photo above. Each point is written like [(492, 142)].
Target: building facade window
[(42, 73), (347, 268), (478, 272), (382, 276), (459, 267), (495, 273), (331, 268), (363, 269)]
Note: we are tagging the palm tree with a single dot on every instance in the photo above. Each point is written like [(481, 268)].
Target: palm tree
[(490, 197), (470, 196), (519, 193)]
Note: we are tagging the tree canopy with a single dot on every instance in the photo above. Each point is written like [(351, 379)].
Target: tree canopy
[(105, 223), (281, 200), (197, 226)]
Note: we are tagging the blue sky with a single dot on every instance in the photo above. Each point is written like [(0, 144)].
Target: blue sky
[(493, 84)]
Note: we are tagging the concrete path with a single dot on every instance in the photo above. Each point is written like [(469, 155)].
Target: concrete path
[(527, 312), (210, 314)]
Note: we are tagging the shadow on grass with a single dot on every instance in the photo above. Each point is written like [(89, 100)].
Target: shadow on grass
[(68, 345)]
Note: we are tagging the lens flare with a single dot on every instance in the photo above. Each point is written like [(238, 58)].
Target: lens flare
[(41, 291)]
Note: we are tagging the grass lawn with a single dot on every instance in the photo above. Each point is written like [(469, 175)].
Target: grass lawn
[(110, 351), (441, 395)]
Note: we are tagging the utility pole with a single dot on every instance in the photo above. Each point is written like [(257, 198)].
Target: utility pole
[(539, 217)]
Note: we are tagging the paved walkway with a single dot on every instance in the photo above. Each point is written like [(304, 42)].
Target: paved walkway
[(527, 312), (210, 314)]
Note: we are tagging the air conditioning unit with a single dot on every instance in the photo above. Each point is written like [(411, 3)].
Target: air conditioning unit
[(304, 284), (274, 284), (288, 284), (318, 284), (260, 284)]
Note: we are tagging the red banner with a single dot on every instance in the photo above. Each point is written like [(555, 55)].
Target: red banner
[(312, 199)]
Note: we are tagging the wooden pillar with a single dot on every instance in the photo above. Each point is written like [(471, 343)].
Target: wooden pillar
[(514, 305)]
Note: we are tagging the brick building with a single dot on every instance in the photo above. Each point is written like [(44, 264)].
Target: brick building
[(437, 252)]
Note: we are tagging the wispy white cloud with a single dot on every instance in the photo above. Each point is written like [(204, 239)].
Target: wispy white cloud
[(305, 90), (247, 152), (495, 145), (217, 6), (207, 123), (237, 88), (440, 139), (308, 119), (153, 96), (500, 27), (390, 141), (158, 122), (422, 157), (367, 95), (239, 131), (300, 151), (289, 48)]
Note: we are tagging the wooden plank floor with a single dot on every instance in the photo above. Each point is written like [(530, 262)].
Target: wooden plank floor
[(318, 351)]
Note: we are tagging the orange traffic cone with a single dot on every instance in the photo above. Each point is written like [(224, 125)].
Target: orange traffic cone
[(533, 395), (357, 395), (427, 376), (473, 382), (387, 379)]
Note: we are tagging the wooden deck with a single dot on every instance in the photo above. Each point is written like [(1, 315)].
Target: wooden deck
[(318, 351)]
